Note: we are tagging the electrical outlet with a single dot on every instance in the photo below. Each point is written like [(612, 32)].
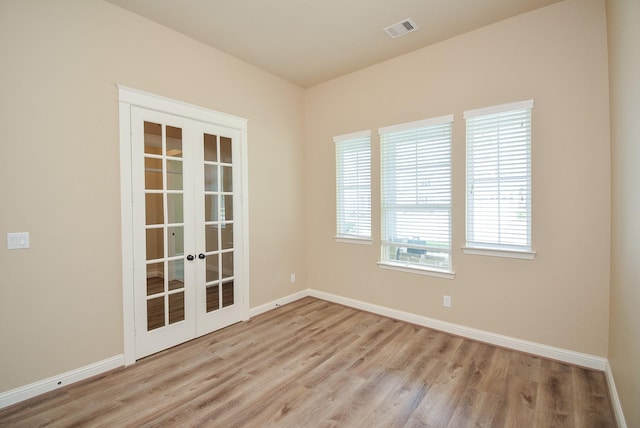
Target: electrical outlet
[(17, 240), (446, 301), (293, 278)]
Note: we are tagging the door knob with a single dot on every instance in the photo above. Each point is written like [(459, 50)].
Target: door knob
[(190, 257), (201, 256)]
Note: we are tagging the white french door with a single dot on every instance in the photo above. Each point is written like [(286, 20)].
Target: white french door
[(187, 228)]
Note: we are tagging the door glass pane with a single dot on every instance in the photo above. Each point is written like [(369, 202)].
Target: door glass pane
[(225, 150), (174, 175), (174, 207), (155, 313), (154, 211), (211, 238), (227, 265), (227, 236), (227, 294), (176, 307), (155, 278), (176, 241), (211, 178), (210, 148), (212, 268), (155, 243), (152, 173), (211, 208), (174, 141), (176, 274), (152, 138), (213, 298), (228, 207), (227, 179)]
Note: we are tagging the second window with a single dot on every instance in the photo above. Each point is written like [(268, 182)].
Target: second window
[(416, 194)]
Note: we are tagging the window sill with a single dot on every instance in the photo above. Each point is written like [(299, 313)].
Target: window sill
[(417, 270), (360, 241), (493, 252)]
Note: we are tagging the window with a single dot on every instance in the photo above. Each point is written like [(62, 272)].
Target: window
[(416, 195), (353, 187), (499, 180)]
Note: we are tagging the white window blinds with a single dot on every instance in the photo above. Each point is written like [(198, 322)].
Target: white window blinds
[(499, 177), (353, 185), (416, 194)]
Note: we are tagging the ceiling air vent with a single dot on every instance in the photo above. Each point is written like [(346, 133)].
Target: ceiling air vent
[(401, 28)]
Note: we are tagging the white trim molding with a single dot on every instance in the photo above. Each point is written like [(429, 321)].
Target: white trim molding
[(400, 267), (277, 303), (584, 360), (31, 390), (360, 241), (128, 100), (559, 354), (518, 105), (615, 400), (494, 252)]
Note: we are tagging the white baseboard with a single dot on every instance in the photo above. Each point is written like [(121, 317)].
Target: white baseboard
[(615, 400), (585, 360), (278, 302), (571, 357), (40, 387)]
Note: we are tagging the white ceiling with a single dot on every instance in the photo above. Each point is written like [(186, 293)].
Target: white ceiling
[(311, 41)]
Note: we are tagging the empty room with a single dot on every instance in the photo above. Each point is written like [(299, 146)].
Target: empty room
[(331, 213)]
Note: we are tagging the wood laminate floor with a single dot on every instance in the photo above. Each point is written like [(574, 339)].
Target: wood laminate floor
[(317, 364)]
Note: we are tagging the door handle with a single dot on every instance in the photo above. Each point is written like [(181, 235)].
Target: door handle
[(190, 257), (201, 256)]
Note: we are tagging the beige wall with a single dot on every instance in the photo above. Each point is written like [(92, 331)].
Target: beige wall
[(624, 330), (558, 57), (61, 300)]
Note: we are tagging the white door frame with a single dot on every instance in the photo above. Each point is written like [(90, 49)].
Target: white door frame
[(128, 97)]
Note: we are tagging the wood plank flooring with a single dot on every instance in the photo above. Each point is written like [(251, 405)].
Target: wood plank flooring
[(317, 364)]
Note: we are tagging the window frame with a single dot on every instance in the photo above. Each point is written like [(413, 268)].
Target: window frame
[(385, 134), (352, 141), (492, 248)]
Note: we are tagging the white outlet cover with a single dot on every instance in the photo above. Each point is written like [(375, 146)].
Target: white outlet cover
[(446, 301), (17, 240)]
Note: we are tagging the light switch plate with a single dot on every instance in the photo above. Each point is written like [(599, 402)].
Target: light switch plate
[(17, 240)]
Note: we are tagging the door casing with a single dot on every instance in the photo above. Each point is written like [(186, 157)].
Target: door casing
[(128, 98)]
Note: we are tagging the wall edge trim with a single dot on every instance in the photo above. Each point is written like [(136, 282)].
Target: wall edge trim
[(274, 304), (554, 353), (615, 399), (31, 390)]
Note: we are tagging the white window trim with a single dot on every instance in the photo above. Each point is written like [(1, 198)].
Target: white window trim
[(502, 251), (527, 104), (350, 239), (361, 241), (352, 136), (428, 271), (511, 254), (412, 268), (440, 120)]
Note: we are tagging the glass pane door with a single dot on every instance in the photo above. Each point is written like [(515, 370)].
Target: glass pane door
[(185, 178), (164, 215), (164, 273), (218, 199), (220, 229)]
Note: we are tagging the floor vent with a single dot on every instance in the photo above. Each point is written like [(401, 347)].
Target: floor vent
[(401, 28)]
